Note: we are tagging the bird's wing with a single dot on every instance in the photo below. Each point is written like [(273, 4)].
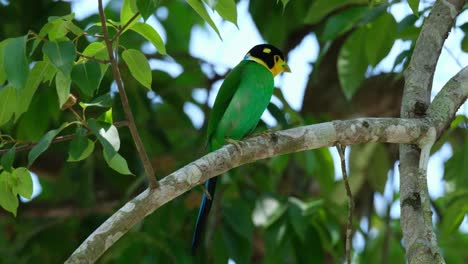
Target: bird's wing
[(224, 97), (247, 105)]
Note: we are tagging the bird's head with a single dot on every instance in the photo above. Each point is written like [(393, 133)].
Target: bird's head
[(270, 57)]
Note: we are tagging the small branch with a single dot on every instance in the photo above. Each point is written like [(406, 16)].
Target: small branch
[(122, 29), (349, 227), (348, 132), (123, 96), (92, 58), (69, 137)]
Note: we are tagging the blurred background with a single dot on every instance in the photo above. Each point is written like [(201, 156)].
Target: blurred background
[(347, 59)]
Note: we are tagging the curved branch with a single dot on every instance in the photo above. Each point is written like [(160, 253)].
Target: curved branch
[(356, 131), (349, 132)]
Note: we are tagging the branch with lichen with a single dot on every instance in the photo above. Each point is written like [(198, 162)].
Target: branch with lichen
[(347, 132)]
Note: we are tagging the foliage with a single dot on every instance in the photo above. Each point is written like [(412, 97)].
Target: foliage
[(286, 209)]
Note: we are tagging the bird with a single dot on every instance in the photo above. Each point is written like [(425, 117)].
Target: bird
[(242, 98)]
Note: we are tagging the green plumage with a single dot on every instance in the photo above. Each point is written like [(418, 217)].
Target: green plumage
[(241, 101)]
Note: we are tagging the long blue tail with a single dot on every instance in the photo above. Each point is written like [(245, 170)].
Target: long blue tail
[(203, 214)]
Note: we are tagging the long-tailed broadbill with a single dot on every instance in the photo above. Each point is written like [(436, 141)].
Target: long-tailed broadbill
[(241, 101)]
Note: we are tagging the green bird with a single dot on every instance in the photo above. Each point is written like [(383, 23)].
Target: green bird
[(241, 101)]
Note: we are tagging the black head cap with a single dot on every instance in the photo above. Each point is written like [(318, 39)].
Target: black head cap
[(266, 53)]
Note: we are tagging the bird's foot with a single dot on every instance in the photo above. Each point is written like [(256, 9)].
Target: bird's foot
[(263, 133), (207, 193), (235, 143)]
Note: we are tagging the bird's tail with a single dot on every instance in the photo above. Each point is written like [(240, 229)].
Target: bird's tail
[(203, 213)]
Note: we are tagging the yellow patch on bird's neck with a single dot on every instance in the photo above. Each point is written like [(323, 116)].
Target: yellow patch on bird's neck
[(259, 61)]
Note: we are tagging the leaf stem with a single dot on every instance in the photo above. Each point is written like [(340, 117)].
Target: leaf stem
[(123, 96), (124, 27)]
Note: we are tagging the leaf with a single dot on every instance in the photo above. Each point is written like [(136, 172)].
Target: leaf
[(321, 8), (106, 117), (117, 163), (98, 130), (62, 85), (103, 101), (296, 217), (43, 144), (454, 214), (8, 158), (8, 199), (93, 48), (138, 66), (3, 76), (15, 62), (23, 184), (129, 9), (198, 6), (80, 147), (7, 104), (87, 76), (456, 168), (147, 7), (35, 77), (61, 54), (383, 32), (464, 44), (379, 165), (151, 35), (351, 63), (342, 22), (227, 9), (414, 5), (235, 215)]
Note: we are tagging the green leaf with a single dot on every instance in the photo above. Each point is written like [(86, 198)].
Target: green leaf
[(414, 5), (43, 144), (35, 77), (8, 158), (227, 9), (117, 163), (80, 147), (129, 9), (7, 104), (235, 216), (3, 76), (151, 35), (62, 85), (87, 76), (8, 199), (351, 63), (22, 182), (15, 62), (138, 66), (379, 165), (319, 9), (61, 54), (464, 44), (342, 22), (296, 217), (94, 48), (198, 6), (99, 130), (147, 7), (454, 214), (456, 168), (106, 117), (383, 32), (103, 101)]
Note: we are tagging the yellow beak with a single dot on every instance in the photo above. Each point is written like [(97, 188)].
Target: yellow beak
[(286, 68)]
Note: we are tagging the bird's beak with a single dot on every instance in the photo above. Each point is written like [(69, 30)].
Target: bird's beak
[(286, 68)]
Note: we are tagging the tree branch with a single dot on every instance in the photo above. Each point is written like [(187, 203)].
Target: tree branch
[(419, 239), (349, 132), (123, 96), (31, 145)]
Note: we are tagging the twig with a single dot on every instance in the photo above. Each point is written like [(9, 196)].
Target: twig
[(92, 58), (123, 96), (31, 145), (122, 29), (349, 227)]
